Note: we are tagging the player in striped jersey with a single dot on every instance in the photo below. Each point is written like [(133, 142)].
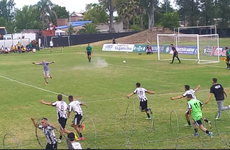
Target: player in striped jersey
[(192, 92), (142, 98), (61, 107), (75, 106), (47, 129)]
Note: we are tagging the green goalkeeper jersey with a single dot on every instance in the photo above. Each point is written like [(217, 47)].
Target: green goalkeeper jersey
[(195, 105), (227, 53)]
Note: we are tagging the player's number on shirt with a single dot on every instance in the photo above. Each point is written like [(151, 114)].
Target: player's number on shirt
[(62, 108), (196, 105)]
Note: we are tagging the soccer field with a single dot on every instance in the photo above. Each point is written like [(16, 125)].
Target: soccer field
[(111, 120)]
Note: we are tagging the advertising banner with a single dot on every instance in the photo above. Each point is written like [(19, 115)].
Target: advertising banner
[(139, 48), (190, 50), (118, 47)]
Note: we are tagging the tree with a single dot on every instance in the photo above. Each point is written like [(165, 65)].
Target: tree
[(149, 6), (7, 9), (61, 12), (189, 11), (45, 11), (28, 18), (71, 30), (126, 10), (223, 9), (89, 28), (207, 12), (110, 7), (170, 20), (96, 13)]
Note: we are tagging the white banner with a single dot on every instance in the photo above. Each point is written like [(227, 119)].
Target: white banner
[(118, 47)]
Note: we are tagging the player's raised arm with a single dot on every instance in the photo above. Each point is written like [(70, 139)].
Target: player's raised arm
[(150, 92), (36, 63), (34, 123), (198, 87), (178, 97), (130, 95), (84, 105), (46, 103)]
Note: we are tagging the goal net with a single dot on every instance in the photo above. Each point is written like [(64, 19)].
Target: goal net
[(201, 48)]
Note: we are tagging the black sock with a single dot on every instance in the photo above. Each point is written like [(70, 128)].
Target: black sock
[(148, 115), (60, 137), (80, 135), (207, 131), (196, 130), (189, 123), (89, 59)]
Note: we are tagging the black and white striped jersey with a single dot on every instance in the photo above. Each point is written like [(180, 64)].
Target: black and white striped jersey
[(49, 133), (141, 94), (61, 109), (75, 106)]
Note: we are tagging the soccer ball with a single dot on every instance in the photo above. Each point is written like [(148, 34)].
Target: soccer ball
[(124, 61), (34, 50)]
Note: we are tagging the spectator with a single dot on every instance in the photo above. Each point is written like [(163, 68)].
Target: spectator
[(19, 47), (114, 41), (149, 50)]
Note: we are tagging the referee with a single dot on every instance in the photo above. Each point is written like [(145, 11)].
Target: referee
[(219, 92), (175, 54)]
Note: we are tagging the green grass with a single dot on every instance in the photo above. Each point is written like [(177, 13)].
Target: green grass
[(103, 84)]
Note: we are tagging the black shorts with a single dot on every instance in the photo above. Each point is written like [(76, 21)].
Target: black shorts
[(88, 53), (198, 122), (175, 54), (51, 146), (143, 105), (77, 119), (62, 122), (227, 58)]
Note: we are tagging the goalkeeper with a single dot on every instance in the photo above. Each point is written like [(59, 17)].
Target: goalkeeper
[(227, 57)]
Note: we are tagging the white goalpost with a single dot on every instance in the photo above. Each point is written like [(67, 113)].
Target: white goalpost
[(201, 48)]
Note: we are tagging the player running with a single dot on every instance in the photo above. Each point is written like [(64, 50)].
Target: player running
[(175, 54), (75, 106), (142, 98), (195, 110), (219, 92), (47, 128), (192, 92), (46, 71), (227, 57), (61, 107), (89, 52)]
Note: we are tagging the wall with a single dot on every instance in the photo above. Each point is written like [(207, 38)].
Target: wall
[(62, 22), (81, 39)]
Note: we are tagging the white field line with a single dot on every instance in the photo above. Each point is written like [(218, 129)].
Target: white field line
[(161, 94)]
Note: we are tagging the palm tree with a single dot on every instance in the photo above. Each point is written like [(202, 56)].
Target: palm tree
[(45, 9), (88, 29)]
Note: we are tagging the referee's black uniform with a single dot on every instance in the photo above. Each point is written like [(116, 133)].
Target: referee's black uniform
[(175, 54)]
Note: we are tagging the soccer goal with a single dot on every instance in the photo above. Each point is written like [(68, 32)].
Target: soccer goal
[(201, 48)]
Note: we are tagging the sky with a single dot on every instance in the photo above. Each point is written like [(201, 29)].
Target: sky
[(71, 5)]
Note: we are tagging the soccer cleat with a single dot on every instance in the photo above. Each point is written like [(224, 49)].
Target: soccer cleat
[(171, 63), (217, 118), (81, 139), (76, 138), (51, 77), (187, 125), (196, 134), (148, 118), (211, 134), (83, 127), (46, 82), (59, 141)]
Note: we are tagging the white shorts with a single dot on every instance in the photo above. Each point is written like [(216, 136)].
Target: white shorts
[(47, 73)]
